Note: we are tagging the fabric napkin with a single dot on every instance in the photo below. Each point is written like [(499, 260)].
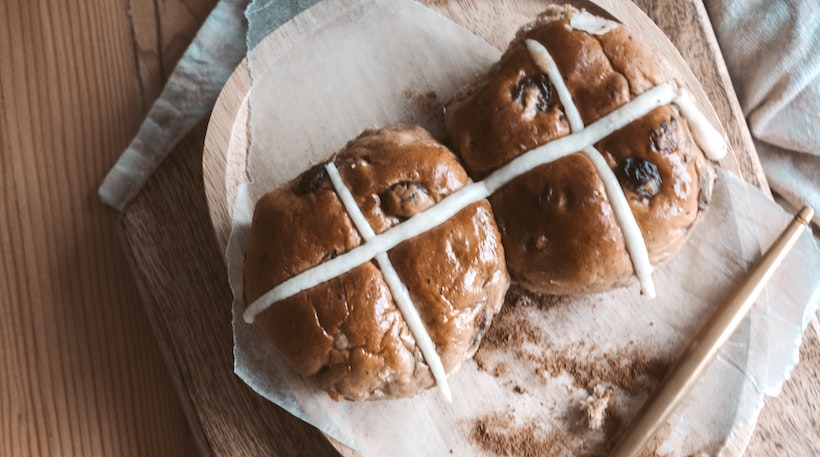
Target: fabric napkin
[(771, 50), (193, 87), (188, 96)]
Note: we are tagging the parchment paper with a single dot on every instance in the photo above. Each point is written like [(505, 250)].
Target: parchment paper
[(384, 62)]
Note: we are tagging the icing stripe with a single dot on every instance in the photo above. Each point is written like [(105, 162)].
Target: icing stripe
[(349, 202), (467, 195), (706, 135), (577, 141), (383, 242), (411, 316), (633, 237), (544, 61), (401, 296)]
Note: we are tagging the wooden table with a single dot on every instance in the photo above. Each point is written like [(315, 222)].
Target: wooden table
[(81, 372)]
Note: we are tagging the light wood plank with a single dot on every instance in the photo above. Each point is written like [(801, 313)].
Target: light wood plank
[(80, 371), (232, 419)]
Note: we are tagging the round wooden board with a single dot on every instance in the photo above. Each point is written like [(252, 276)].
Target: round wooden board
[(227, 138)]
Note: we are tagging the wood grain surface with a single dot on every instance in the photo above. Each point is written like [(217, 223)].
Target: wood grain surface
[(80, 370)]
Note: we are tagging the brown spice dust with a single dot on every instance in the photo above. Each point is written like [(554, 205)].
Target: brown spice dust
[(494, 434), (633, 371)]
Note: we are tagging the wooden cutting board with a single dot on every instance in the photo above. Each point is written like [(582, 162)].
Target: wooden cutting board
[(175, 257)]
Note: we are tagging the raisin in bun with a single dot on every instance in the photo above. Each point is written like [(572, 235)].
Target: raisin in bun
[(557, 224), (346, 335)]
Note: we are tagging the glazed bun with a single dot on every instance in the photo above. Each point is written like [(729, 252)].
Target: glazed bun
[(389, 324), (559, 231), (346, 335)]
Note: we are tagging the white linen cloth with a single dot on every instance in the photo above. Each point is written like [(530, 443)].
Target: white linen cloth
[(188, 96), (772, 50)]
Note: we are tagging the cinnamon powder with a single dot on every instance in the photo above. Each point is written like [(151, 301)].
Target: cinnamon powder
[(633, 371), (494, 434)]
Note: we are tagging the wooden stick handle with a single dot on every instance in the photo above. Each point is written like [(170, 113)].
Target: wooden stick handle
[(705, 346)]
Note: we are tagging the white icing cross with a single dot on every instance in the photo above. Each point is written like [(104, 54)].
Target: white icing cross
[(467, 195), (401, 296), (581, 139), (633, 238)]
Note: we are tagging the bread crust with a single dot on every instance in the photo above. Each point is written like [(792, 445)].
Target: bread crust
[(559, 231), (346, 336)]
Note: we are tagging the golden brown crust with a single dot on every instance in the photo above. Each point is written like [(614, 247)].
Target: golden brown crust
[(559, 231), (346, 335)]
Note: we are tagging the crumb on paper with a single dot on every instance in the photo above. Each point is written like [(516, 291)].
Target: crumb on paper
[(595, 406)]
